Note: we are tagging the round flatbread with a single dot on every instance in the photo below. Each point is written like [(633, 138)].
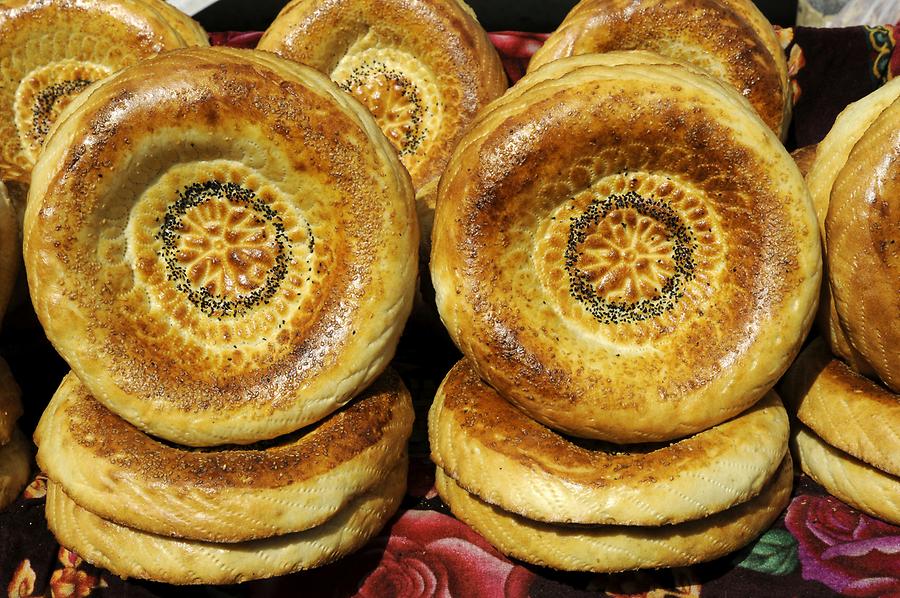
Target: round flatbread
[(423, 67), (112, 469), (610, 549), (862, 235), (730, 39), (495, 451), (856, 483), (848, 411), (222, 246), (608, 224), (831, 157), (51, 51), (131, 553)]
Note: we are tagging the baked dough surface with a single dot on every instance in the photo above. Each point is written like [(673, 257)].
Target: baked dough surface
[(862, 235), (611, 549), (729, 39), (846, 410), (856, 483), (222, 495), (831, 157), (222, 245), (424, 68), (132, 553), (495, 451), (51, 51), (603, 225)]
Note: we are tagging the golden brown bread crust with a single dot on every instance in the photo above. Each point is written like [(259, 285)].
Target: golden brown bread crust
[(234, 494), (856, 483), (10, 402), (862, 235), (222, 245), (492, 449), (132, 553), (831, 156), (10, 249), (424, 67), (50, 51), (619, 548), (846, 410), (729, 39), (190, 30), (537, 215), (15, 465)]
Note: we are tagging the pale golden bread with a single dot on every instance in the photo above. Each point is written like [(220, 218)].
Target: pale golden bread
[(115, 471), (222, 245), (848, 411), (620, 548), (619, 223), (831, 156), (854, 482), (862, 236), (492, 449), (423, 67), (190, 30), (10, 402), (51, 50), (10, 248), (729, 39), (131, 553), (15, 465)]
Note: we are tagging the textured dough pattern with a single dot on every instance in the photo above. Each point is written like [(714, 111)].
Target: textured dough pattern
[(424, 68), (540, 475), (848, 411), (239, 219), (831, 156), (51, 51), (131, 553), (228, 495), (730, 40), (620, 548), (854, 482), (862, 236), (603, 224)]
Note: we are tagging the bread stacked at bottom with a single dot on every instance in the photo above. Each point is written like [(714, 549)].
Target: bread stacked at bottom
[(844, 388), (627, 257), (227, 272), (588, 506), (141, 507)]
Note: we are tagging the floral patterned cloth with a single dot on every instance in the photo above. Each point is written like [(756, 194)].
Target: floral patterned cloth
[(819, 547)]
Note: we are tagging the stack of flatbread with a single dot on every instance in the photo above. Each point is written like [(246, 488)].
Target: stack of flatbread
[(844, 388), (222, 245), (628, 258)]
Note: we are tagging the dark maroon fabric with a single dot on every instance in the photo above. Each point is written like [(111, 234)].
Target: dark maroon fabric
[(840, 66)]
